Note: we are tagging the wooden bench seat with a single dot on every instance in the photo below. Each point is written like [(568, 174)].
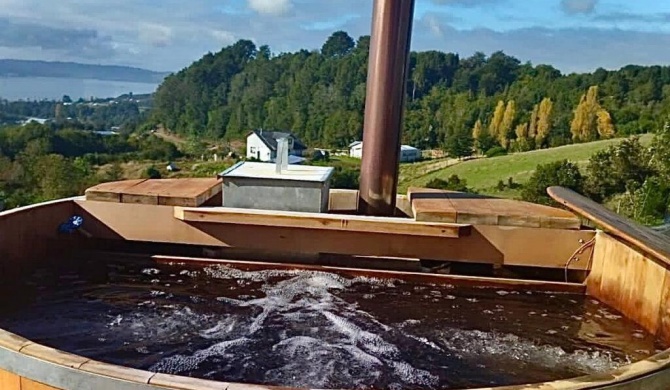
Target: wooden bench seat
[(430, 205)]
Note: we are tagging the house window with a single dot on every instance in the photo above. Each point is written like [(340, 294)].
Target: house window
[(252, 149)]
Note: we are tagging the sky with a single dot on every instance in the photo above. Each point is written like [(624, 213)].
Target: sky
[(167, 35)]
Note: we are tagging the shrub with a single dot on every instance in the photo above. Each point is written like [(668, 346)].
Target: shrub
[(453, 183), (618, 168), (152, 173), (496, 151), (559, 173)]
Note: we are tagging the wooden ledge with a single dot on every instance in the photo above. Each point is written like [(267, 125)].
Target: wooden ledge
[(621, 227), (350, 223)]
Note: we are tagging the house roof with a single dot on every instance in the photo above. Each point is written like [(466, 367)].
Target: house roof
[(402, 147), (270, 138)]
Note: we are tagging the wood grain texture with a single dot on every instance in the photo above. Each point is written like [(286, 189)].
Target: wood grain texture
[(664, 325), (628, 281), (9, 381), (458, 207), (549, 248), (626, 229), (354, 223), (27, 384), (189, 192)]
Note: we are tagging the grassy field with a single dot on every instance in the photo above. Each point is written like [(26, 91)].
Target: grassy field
[(483, 174)]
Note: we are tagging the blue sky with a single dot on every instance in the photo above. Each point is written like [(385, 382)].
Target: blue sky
[(573, 35)]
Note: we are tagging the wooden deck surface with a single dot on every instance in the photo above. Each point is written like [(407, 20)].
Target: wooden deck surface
[(431, 205), (164, 192), (654, 243), (322, 221)]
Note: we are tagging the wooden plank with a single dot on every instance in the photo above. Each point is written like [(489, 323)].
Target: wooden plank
[(111, 192), (626, 229), (190, 192), (27, 384), (458, 207), (429, 205), (628, 281), (9, 381), (157, 224), (321, 221), (664, 326)]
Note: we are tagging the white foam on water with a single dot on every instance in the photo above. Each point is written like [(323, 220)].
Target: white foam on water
[(184, 363), (477, 344)]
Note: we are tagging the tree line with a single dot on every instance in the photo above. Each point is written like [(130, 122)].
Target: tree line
[(463, 105), (40, 163)]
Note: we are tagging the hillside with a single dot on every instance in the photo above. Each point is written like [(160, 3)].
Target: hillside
[(23, 68), (483, 174), (453, 102)]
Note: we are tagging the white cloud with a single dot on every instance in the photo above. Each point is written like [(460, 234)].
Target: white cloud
[(154, 34), (225, 38), (271, 7)]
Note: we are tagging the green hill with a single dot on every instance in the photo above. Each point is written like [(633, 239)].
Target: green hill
[(483, 174)]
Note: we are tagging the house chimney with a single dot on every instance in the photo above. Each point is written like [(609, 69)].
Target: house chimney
[(281, 161), (384, 107)]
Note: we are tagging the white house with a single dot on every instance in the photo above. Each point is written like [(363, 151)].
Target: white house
[(407, 153), (262, 145), (356, 149)]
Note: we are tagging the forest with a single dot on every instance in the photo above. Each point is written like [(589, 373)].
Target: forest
[(457, 104)]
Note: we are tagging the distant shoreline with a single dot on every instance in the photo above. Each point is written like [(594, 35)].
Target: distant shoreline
[(38, 88), (71, 70)]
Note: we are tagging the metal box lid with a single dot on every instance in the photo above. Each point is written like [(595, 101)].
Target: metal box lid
[(267, 171)]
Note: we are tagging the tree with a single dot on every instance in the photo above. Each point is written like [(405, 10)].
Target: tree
[(560, 173), (507, 124), (532, 124), (497, 119), (617, 169), (605, 126), (522, 143), (459, 145), (591, 119), (544, 117), (339, 44)]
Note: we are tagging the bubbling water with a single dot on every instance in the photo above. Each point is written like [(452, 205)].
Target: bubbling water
[(320, 329)]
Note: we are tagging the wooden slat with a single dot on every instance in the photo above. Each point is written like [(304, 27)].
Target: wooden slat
[(111, 192), (9, 381), (430, 205), (191, 192), (321, 221), (626, 229)]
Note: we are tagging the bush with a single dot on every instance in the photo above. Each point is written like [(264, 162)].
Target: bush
[(496, 151), (559, 173), (152, 173), (618, 168), (453, 183), (345, 178)]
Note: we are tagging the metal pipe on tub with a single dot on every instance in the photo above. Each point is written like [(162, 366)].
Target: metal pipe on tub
[(384, 108)]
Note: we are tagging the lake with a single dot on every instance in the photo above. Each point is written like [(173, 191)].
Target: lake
[(53, 88)]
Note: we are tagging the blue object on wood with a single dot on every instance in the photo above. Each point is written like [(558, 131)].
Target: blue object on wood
[(71, 225)]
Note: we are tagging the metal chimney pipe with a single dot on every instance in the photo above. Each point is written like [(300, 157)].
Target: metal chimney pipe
[(384, 107)]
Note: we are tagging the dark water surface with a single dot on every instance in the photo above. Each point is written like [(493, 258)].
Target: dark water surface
[(318, 329)]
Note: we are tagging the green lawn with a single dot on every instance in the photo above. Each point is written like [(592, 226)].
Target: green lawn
[(483, 174)]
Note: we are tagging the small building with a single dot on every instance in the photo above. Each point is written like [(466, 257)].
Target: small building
[(356, 149), (172, 167), (262, 145), (407, 153)]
